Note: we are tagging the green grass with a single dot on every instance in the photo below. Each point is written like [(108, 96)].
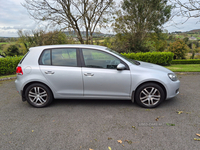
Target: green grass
[(4, 43), (184, 68), (8, 76), (7, 43)]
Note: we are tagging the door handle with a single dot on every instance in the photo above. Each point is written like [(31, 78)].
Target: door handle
[(49, 72), (88, 74)]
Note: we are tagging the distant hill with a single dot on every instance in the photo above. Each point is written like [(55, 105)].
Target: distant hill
[(83, 33), (194, 31)]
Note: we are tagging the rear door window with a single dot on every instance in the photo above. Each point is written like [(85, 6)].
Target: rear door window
[(64, 57), (46, 58), (59, 57)]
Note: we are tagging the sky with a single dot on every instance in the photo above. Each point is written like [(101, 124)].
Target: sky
[(13, 16)]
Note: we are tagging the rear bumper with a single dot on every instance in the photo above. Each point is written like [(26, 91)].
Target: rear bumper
[(19, 90), (19, 84)]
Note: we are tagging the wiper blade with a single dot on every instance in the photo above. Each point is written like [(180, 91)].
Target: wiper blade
[(137, 62)]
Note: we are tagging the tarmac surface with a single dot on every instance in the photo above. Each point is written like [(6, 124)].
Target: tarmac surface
[(101, 124)]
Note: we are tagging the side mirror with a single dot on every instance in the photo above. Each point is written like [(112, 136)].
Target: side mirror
[(121, 67)]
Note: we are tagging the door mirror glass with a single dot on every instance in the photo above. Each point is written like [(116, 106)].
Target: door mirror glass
[(121, 67)]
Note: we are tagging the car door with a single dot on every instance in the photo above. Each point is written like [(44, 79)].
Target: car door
[(62, 71), (100, 76)]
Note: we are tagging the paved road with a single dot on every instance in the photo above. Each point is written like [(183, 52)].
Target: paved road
[(84, 124)]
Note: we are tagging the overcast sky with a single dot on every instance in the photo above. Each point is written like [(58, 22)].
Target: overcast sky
[(13, 16)]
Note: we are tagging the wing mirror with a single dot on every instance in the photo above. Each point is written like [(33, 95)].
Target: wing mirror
[(121, 66)]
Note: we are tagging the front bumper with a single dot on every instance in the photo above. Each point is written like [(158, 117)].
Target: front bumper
[(173, 89)]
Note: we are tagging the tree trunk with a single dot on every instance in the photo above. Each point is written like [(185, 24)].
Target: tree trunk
[(87, 38), (91, 38), (80, 36)]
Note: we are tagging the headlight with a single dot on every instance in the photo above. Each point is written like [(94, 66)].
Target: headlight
[(172, 76)]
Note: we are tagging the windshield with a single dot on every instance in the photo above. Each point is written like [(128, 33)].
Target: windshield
[(129, 60)]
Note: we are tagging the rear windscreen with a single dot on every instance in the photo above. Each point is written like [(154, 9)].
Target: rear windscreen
[(23, 57)]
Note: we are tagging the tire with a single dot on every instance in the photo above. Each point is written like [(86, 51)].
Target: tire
[(38, 95), (149, 95)]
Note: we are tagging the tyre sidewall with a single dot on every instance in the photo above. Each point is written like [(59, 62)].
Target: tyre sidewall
[(49, 98), (158, 87)]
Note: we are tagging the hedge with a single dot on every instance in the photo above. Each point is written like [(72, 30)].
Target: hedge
[(8, 65), (186, 61), (160, 58)]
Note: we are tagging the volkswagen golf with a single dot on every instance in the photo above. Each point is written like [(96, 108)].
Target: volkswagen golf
[(77, 71)]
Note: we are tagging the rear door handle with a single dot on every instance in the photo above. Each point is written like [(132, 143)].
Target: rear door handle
[(88, 74), (49, 72)]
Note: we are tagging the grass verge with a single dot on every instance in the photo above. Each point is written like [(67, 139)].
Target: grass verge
[(184, 68), (8, 76)]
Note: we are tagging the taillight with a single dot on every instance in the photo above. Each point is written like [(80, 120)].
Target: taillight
[(19, 70)]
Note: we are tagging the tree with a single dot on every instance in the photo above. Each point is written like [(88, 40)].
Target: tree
[(72, 14), (138, 18), (12, 50), (159, 41), (40, 37), (179, 48), (187, 8)]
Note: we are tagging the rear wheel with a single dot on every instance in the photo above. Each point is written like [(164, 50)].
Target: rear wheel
[(149, 95), (38, 95)]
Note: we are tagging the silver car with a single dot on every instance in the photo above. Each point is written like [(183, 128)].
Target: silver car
[(91, 72)]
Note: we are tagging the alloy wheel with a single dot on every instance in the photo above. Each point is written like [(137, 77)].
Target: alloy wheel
[(38, 96), (150, 96)]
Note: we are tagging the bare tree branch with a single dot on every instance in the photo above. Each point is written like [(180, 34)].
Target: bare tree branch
[(188, 9), (72, 14)]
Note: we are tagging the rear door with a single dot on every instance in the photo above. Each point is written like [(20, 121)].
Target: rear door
[(62, 70)]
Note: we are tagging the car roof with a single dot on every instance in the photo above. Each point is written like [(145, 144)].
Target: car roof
[(69, 45)]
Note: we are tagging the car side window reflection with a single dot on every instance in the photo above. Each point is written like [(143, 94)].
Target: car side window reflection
[(59, 57), (99, 59), (64, 57)]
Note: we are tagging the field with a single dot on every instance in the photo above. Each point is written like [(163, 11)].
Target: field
[(3, 43)]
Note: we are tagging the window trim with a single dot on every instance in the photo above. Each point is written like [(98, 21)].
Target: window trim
[(77, 56), (83, 62)]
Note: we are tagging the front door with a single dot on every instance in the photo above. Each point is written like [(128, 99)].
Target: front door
[(100, 76)]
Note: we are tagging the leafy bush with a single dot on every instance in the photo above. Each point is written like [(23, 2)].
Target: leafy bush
[(161, 58), (186, 61), (179, 48), (8, 65)]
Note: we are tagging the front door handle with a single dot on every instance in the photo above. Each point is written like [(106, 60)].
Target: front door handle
[(88, 74), (49, 72)]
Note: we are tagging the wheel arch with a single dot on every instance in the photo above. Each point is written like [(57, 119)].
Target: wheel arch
[(156, 82), (24, 89)]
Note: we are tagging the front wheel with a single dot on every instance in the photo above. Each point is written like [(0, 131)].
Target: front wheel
[(149, 95), (38, 95)]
